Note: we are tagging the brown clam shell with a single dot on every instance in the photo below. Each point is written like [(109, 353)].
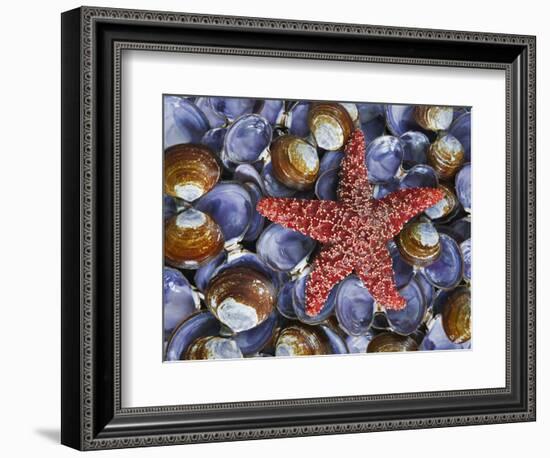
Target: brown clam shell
[(191, 238), (213, 347), (301, 340), (240, 297), (418, 242), (330, 124), (391, 342), (189, 171), (446, 206), (456, 316), (433, 117), (295, 162), (446, 156)]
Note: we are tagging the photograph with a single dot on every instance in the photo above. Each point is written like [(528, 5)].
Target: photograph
[(308, 228)]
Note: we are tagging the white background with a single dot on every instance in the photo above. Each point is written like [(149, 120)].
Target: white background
[(30, 243), (147, 75)]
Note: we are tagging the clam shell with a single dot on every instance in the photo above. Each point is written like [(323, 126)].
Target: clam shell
[(415, 147), (447, 207), (391, 342), (179, 299), (297, 119), (418, 242), (214, 139), (191, 239), (466, 249), (354, 306), (330, 124), (301, 340), (184, 122), (456, 316), (272, 110), (189, 171), (402, 270), (330, 160), (213, 347), (358, 344), (295, 162), (436, 339), (234, 107), (240, 297), (461, 130), (283, 249), (407, 320), (285, 297), (446, 271), (272, 186), (446, 156), (432, 117), (230, 205), (246, 139), (383, 158), (254, 340), (463, 187), (419, 176), (198, 325), (326, 187)]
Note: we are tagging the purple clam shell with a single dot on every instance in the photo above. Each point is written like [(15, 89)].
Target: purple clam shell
[(285, 298), (436, 339), (460, 129), (272, 186), (419, 176), (407, 320), (463, 186), (466, 249), (272, 110), (233, 107), (215, 119), (326, 187), (330, 160), (257, 220), (204, 273), (179, 300), (402, 271), (383, 158), (446, 271), (230, 205), (283, 249), (299, 303), (427, 288), (169, 207), (354, 306), (381, 190), (373, 129), (214, 139), (201, 324), (400, 119), (369, 111), (254, 340), (358, 344), (439, 300), (183, 122), (335, 341), (415, 146), (247, 138), (245, 258), (247, 173), (297, 120)]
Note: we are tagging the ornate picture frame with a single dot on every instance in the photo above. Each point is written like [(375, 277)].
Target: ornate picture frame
[(92, 413)]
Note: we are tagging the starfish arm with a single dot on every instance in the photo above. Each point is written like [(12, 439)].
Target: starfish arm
[(330, 267), (314, 218), (394, 210), (354, 185), (377, 276)]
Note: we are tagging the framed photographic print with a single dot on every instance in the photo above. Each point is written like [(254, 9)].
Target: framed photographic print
[(277, 228)]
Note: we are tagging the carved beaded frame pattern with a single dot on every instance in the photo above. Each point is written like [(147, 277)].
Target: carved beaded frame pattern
[(89, 16)]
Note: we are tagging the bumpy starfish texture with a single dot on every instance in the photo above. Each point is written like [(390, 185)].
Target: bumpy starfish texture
[(354, 230)]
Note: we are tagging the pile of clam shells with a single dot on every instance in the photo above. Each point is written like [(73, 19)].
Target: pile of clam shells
[(234, 283)]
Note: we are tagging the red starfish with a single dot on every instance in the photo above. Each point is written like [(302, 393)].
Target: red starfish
[(354, 230)]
